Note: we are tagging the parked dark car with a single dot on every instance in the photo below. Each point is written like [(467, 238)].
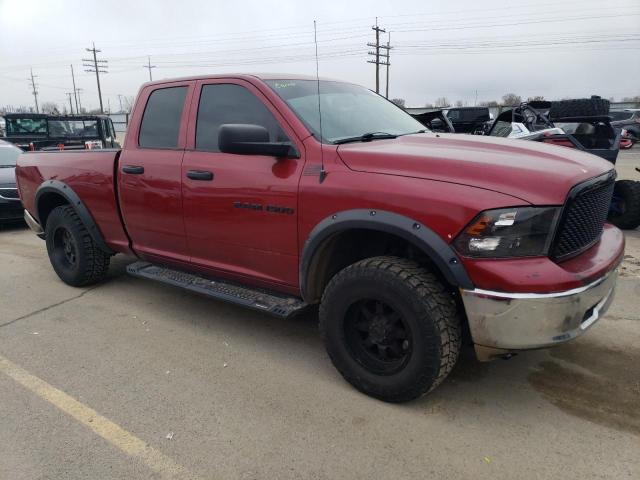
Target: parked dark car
[(628, 120), (38, 131), (468, 119), (10, 205)]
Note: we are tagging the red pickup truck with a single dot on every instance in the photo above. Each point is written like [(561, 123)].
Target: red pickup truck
[(411, 242)]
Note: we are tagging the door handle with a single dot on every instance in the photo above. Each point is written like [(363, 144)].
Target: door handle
[(133, 169), (200, 175)]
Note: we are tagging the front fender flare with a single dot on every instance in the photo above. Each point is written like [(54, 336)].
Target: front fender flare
[(418, 234), (72, 198)]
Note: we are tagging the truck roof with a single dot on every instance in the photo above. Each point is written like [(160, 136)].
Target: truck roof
[(246, 76)]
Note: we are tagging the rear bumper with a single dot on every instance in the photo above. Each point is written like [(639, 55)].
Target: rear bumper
[(503, 322)]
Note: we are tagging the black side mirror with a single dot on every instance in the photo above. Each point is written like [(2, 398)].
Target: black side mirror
[(247, 139)]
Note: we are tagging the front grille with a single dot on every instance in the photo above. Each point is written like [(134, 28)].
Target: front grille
[(583, 217), (11, 193)]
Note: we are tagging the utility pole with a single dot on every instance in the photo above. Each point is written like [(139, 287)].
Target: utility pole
[(75, 90), (377, 53), (78, 90), (386, 95), (475, 103), (34, 90), (120, 100), (68, 94), (149, 66), (99, 66)]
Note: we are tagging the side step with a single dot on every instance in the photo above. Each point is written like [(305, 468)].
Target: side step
[(254, 298)]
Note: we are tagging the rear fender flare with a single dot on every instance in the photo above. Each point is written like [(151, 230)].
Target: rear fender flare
[(72, 198), (418, 234)]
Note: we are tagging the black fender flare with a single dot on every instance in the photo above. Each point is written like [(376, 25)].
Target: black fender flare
[(72, 198), (418, 234)]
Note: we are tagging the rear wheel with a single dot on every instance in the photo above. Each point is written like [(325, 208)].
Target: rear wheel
[(74, 255), (625, 206), (390, 327)]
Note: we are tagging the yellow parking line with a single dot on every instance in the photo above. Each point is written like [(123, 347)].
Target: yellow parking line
[(112, 433)]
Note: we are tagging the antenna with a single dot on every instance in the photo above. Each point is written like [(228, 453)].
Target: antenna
[(323, 173)]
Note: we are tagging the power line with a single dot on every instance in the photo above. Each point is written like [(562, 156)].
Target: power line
[(376, 53), (35, 90), (99, 66), (386, 95), (75, 90), (68, 94), (149, 66)]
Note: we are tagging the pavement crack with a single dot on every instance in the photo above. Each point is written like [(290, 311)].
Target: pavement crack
[(49, 307)]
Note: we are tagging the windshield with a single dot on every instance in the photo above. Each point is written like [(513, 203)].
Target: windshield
[(26, 126), (8, 155), (73, 128), (347, 110)]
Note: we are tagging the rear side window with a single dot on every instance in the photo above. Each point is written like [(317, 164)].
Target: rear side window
[(228, 103), (161, 119)]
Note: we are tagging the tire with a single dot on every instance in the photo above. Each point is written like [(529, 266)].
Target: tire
[(74, 255), (625, 206), (581, 107), (402, 350)]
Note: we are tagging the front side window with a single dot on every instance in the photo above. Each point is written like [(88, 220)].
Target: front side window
[(161, 120), (348, 110), (228, 103)]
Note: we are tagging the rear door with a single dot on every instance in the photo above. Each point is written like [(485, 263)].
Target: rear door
[(240, 210), (149, 173)]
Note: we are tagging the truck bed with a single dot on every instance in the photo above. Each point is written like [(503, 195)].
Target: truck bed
[(90, 173)]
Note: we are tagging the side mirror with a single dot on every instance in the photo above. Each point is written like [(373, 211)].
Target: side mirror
[(247, 139)]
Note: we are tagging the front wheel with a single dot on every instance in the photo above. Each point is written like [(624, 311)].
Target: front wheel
[(390, 327), (74, 255)]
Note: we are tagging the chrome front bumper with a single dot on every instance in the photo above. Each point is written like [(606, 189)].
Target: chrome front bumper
[(502, 322)]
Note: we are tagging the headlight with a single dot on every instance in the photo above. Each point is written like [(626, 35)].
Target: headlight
[(509, 232)]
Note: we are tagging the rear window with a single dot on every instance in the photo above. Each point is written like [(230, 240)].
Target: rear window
[(621, 115), (161, 120), (26, 126), (468, 115)]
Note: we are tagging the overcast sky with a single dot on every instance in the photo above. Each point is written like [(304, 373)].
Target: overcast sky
[(441, 48)]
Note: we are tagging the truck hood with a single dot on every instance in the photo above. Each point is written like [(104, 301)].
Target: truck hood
[(531, 171)]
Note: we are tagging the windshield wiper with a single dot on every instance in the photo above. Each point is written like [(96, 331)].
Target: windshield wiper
[(367, 137)]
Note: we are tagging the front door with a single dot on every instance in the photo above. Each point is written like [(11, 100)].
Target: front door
[(240, 211)]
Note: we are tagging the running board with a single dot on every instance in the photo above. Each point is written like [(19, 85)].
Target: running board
[(254, 298)]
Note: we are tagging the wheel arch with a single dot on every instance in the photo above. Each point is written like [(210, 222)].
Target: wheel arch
[(54, 193), (321, 249)]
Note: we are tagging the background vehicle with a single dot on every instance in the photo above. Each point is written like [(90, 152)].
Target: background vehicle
[(10, 205), (435, 120), (35, 131), (593, 133), (628, 120), (231, 187), (468, 119)]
